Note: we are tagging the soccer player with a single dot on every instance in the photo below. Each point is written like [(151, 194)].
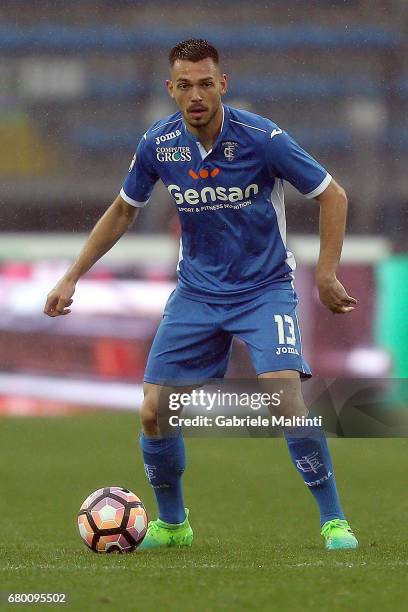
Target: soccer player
[(224, 168)]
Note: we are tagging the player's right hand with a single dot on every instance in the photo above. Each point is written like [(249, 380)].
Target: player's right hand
[(59, 299)]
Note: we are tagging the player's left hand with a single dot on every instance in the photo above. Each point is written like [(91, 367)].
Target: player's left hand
[(334, 296)]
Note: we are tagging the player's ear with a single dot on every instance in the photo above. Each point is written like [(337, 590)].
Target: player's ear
[(223, 84), (170, 87)]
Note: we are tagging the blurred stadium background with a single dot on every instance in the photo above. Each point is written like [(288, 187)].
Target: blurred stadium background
[(81, 82)]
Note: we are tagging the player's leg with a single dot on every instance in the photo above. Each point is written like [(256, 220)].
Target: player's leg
[(311, 457), (189, 348), (269, 326), (164, 460), (163, 455), (307, 445)]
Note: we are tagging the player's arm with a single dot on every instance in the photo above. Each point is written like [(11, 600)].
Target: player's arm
[(135, 194), (287, 160), (107, 231), (332, 224)]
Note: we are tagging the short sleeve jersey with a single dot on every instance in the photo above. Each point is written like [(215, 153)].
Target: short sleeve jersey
[(229, 200)]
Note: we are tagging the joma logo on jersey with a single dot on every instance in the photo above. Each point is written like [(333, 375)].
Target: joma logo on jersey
[(212, 194), (173, 154), (166, 137)]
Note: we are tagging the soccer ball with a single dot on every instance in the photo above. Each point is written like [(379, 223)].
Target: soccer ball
[(112, 519)]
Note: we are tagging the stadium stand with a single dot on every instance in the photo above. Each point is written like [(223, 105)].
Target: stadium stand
[(82, 83)]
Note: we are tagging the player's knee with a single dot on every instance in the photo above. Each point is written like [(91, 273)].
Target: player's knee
[(149, 414), (294, 411), (290, 401)]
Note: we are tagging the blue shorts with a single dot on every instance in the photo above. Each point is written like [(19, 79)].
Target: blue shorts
[(193, 341)]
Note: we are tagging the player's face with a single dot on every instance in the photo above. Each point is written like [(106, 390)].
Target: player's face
[(197, 88)]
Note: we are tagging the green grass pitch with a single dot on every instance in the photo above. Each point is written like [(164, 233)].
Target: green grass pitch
[(257, 543)]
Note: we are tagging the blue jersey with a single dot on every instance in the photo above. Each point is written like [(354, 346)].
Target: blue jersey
[(229, 200)]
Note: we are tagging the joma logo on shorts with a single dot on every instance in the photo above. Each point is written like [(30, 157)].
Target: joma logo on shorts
[(283, 350), (212, 194)]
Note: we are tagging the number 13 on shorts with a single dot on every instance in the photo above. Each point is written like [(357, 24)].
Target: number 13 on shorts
[(286, 329)]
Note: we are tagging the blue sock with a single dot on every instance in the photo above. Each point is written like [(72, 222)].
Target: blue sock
[(165, 462), (311, 456)]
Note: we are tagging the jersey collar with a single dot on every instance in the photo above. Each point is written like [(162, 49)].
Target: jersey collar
[(224, 125)]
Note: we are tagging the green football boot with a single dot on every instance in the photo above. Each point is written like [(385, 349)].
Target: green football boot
[(165, 535), (338, 535)]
